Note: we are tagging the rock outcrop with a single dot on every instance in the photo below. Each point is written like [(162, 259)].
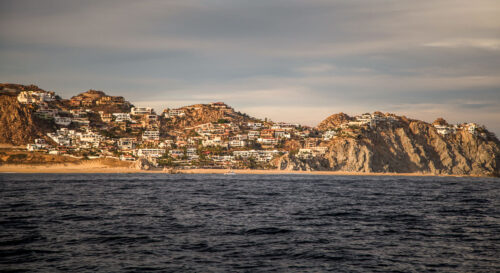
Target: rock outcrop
[(96, 100), (143, 164), (333, 121), (18, 124), (206, 113)]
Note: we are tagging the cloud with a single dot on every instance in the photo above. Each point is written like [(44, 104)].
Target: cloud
[(289, 59), (490, 44)]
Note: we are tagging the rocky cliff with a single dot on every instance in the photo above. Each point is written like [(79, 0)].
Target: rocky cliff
[(410, 147), (18, 124)]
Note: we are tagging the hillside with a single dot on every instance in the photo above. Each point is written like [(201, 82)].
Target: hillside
[(99, 101), (371, 142), (16, 88), (206, 113)]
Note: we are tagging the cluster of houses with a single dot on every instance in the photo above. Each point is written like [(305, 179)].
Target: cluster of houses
[(82, 101), (445, 129), (38, 97), (372, 120), (224, 143)]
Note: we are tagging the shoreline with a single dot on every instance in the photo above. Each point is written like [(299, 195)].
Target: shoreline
[(83, 168)]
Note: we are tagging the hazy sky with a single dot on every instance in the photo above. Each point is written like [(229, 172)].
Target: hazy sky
[(287, 60)]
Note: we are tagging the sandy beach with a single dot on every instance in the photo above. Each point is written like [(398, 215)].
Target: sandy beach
[(97, 168)]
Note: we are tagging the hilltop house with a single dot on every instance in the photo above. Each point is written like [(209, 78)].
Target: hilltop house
[(141, 110)]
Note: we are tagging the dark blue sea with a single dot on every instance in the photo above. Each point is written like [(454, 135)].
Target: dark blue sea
[(248, 223)]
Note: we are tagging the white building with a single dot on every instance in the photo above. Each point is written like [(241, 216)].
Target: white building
[(268, 141), (445, 129), (215, 142), (254, 125), (284, 125), (39, 144), (259, 155), (90, 137), (237, 143), (150, 152), (222, 158), (176, 153), (35, 97), (141, 110), (329, 134), (174, 113), (44, 97), (242, 154), (25, 97), (282, 134), (81, 121), (62, 121), (121, 117), (126, 143), (151, 135), (63, 137), (471, 128)]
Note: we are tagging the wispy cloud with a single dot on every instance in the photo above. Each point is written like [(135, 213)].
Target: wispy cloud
[(491, 44)]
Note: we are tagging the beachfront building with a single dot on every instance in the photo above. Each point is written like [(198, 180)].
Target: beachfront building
[(259, 155), (150, 152), (63, 137), (39, 144), (126, 143)]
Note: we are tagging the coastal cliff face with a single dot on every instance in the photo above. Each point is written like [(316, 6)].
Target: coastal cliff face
[(18, 124), (410, 147)]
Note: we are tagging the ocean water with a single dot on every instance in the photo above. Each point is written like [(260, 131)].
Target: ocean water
[(248, 223)]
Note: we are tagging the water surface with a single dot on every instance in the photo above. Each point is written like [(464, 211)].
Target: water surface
[(248, 223)]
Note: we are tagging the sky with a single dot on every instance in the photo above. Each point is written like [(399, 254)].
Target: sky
[(287, 60)]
